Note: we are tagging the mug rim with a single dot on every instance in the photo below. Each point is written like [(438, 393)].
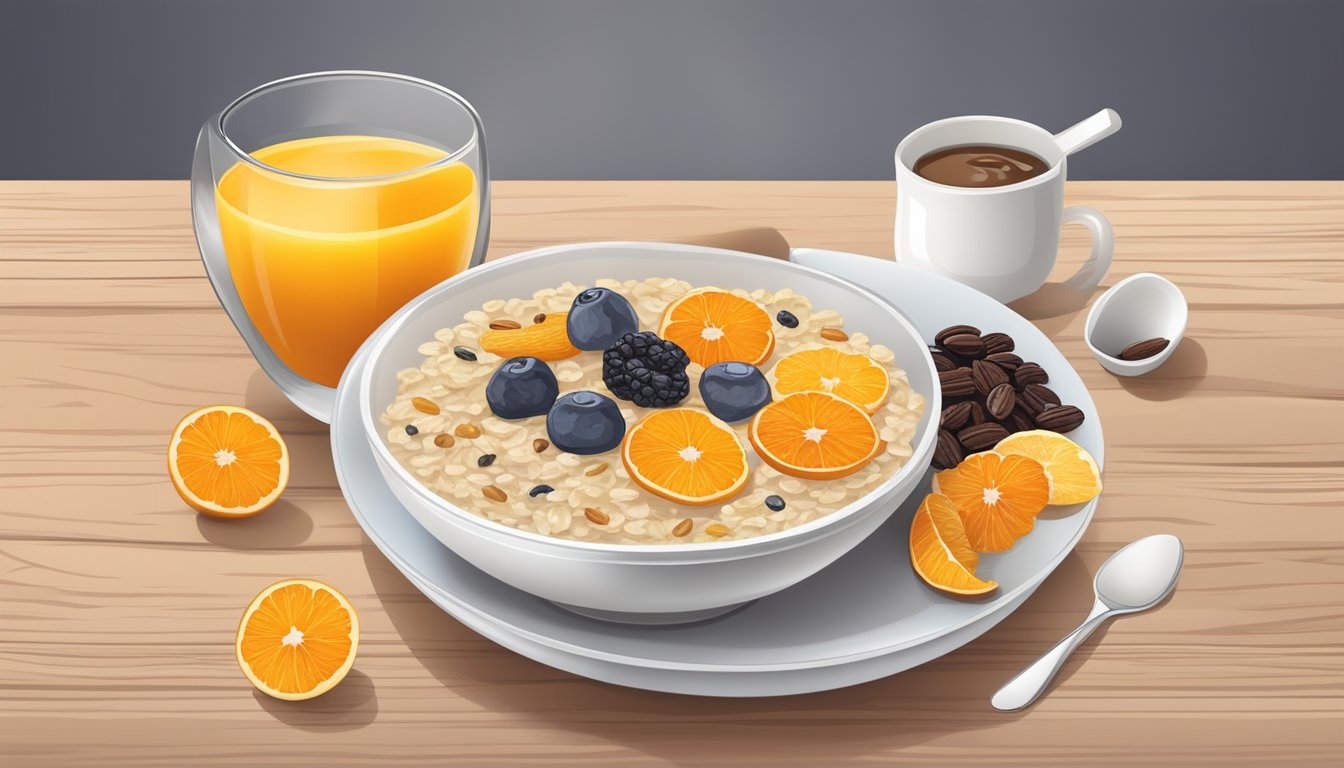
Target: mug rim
[(1055, 168), (447, 159)]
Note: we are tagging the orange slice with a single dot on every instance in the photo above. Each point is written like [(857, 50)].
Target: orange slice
[(715, 326), (857, 378), (227, 461), (998, 497), (940, 551), (685, 455), (814, 435), (547, 340), (1072, 472), (297, 639)]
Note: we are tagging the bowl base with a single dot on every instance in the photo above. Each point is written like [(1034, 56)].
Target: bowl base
[(654, 619)]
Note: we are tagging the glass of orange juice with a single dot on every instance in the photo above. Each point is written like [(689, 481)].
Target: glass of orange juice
[(322, 203)]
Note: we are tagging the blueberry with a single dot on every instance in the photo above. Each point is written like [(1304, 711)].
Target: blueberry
[(521, 387), (787, 319), (734, 391), (775, 503), (585, 422), (599, 317)]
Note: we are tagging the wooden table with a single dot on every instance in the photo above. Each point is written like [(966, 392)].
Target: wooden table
[(118, 605)]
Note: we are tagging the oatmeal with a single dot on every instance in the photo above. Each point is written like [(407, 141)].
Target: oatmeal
[(443, 430)]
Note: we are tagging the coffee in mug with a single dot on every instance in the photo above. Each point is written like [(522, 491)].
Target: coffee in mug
[(979, 165)]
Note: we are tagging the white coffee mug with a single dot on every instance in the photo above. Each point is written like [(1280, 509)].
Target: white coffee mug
[(1002, 241)]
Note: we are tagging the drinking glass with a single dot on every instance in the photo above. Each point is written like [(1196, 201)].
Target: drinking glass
[(324, 202)]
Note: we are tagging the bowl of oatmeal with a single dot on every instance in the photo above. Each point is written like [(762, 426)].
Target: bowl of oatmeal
[(532, 414)]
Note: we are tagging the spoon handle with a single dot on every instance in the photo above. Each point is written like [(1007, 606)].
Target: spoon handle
[(1030, 683), (1088, 132)]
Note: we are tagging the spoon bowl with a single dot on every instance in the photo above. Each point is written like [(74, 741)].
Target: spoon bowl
[(1141, 574)]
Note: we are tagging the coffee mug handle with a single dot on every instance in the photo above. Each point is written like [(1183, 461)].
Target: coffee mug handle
[(1103, 246)]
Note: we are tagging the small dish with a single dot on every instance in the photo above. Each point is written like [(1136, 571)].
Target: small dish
[(1142, 306)]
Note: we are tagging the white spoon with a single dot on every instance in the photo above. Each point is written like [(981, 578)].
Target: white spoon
[(1137, 577), (1088, 132)]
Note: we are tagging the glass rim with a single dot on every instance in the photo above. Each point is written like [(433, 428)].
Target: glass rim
[(447, 159)]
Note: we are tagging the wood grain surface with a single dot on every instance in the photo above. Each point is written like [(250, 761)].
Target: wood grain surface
[(118, 605)]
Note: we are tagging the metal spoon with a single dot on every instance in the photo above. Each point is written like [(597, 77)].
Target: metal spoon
[(1137, 577)]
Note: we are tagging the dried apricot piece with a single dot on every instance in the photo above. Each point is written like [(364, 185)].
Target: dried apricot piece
[(547, 340)]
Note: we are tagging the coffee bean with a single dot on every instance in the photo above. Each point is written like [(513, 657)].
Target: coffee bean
[(1005, 360), (957, 383), (964, 345), (1020, 419), (998, 342), (942, 362), (1141, 350), (987, 376), (1029, 373), (978, 413), (955, 416), (947, 451), (981, 436), (1038, 397), (954, 330), (1000, 401), (1061, 418)]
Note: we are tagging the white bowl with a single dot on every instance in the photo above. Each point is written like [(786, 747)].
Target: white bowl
[(1142, 306), (654, 583)]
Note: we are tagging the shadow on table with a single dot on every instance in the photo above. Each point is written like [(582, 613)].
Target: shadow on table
[(350, 705), (282, 526), (945, 696), (1053, 306), (1182, 372)]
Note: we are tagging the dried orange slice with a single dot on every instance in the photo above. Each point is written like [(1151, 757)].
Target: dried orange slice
[(227, 461), (998, 497), (715, 326), (940, 551), (297, 639), (1071, 470), (547, 340), (685, 455), (857, 378), (814, 435)]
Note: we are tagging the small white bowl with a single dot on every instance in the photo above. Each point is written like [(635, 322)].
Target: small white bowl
[(1142, 306), (628, 582)]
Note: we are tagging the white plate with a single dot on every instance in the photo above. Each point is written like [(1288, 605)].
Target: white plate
[(864, 617)]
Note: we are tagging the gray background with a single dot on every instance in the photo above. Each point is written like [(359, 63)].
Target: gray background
[(1208, 89)]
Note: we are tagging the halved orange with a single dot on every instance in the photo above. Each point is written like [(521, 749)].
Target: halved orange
[(814, 435), (997, 496), (940, 551), (1071, 470), (715, 326), (685, 455), (297, 639), (857, 378), (547, 340), (227, 461)]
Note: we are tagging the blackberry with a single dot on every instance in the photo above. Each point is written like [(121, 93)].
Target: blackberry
[(647, 370)]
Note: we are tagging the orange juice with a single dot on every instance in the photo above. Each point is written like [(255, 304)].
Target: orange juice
[(320, 263)]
